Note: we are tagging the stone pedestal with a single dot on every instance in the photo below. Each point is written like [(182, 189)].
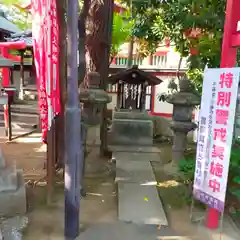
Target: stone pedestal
[(12, 190), (93, 99), (183, 105), (131, 128)]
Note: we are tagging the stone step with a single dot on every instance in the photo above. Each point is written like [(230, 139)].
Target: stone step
[(24, 108), (133, 149), (22, 117), (138, 199), (132, 172), (136, 156), (131, 115), (124, 231), (19, 126), (140, 204)]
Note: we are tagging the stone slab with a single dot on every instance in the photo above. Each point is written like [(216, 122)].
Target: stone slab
[(131, 115), (13, 203), (131, 132), (125, 231), (136, 156), (130, 171), (2, 160), (140, 204), (8, 179), (134, 148)]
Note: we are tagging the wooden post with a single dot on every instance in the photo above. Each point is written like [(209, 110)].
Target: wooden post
[(9, 122), (122, 95), (107, 36), (21, 92), (50, 163), (60, 126), (119, 85)]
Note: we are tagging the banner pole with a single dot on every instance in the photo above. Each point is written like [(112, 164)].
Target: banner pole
[(74, 156)]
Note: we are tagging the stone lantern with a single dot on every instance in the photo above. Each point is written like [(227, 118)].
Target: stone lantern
[(183, 102), (93, 100)]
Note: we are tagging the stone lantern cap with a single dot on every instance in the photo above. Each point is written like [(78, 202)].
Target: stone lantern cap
[(186, 96), (94, 94)]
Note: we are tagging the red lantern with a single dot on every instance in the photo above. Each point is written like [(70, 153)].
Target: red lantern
[(193, 33), (167, 42), (193, 51)]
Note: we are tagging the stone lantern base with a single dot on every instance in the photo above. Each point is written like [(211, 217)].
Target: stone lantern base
[(12, 190)]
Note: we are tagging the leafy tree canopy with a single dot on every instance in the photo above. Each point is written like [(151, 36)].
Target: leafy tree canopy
[(16, 15), (121, 31), (158, 19)]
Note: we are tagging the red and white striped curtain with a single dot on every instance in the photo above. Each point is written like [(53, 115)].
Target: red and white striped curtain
[(45, 30)]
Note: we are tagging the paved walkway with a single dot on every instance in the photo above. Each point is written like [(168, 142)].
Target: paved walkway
[(138, 200), (120, 231)]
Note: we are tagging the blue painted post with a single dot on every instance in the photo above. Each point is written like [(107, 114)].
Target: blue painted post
[(74, 156)]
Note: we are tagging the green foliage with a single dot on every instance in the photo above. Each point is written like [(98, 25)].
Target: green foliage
[(187, 169), (16, 15), (234, 173), (121, 31), (156, 20)]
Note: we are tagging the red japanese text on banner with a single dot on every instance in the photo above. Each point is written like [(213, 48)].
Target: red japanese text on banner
[(46, 53), (215, 132)]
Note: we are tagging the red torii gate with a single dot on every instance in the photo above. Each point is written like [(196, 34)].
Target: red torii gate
[(231, 41)]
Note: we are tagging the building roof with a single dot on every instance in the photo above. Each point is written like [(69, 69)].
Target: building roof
[(4, 62), (25, 36), (6, 25), (134, 75)]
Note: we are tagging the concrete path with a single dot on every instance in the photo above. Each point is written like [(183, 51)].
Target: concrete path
[(138, 200), (120, 231)]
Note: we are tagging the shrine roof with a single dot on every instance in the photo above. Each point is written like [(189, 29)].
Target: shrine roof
[(4, 62), (25, 36), (134, 75), (6, 25)]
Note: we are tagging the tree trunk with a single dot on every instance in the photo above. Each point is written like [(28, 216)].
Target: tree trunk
[(60, 121), (82, 40), (98, 45)]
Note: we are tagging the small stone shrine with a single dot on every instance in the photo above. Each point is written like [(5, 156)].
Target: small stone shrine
[(131, 123), (183, 102)]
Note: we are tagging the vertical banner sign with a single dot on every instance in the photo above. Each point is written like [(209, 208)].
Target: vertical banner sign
[(215, 132), (45, 33)]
